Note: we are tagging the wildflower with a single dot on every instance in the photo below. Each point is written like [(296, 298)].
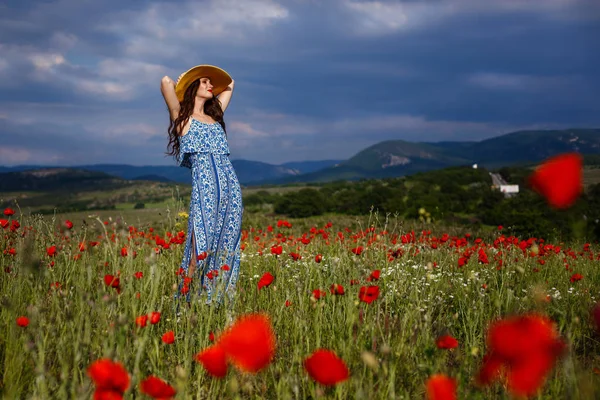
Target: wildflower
[(375, 275), (576, 278), (202, 256), (22, 321), (168, 338), (68, 224), (213, 360), (154, 317), (265, 280), (318, 293), (276, 250), (559, 179), (527, 347), (318, 258), (368, 294), (336, 289), (357, 250), (250, 342), (446, 342), (141, 321), (139, 275), (325, 367), (9, 211), (441, 387), (111, 379), (51, 251), (157, 388)]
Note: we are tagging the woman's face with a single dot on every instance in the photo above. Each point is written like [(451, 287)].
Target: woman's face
[(205, 88)]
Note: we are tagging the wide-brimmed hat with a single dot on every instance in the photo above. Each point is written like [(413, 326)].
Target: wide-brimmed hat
[(218, 77)]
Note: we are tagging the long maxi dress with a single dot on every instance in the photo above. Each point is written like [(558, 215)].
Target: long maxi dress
[(215, 217)]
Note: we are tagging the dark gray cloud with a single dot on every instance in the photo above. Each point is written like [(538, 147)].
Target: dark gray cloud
[(314, 80)]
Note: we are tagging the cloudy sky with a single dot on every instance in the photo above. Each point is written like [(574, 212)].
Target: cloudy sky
[(315, 79)]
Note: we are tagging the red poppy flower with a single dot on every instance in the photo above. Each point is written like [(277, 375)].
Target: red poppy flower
[(51, 251), (139, 275), (295, 256), (368, 294), (154, 317), (276, 250), (288, 303), (318, 258), (213, 360), (265, 281), (250, 342), (202, 256), (9, 211), (225, 267), (357, 250), (336, 289), (111, 378), (576, 278), (325, 367), (526, 347), (441, 387), (111, 280), (4, 223), (68, 224), (318, 293), (141, 321), (559, 179), (375, 275), (168, 338), (22, 321), (446, 342), (157, 388)]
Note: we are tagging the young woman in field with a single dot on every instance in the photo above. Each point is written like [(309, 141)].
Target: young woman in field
[(198, 140)]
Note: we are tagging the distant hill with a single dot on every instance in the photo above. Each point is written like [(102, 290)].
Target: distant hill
[(58, 179), (399, 158), (247, 171), (152, 178)]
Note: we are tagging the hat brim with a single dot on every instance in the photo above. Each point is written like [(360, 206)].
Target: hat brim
[(218, 77)]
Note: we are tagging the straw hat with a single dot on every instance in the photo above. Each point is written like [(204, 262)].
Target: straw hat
[(218, 77)]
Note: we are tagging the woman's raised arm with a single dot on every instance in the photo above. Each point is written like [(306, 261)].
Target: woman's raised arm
[(167, 88), (225, 96)]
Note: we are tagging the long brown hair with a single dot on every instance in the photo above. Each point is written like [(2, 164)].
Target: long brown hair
[(212, 108)]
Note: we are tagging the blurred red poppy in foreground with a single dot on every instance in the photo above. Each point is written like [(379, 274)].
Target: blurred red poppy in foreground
[(22, 321), (526, 347), (325, 367), (157, 388), (250, 342), (441, 387), (559, 179), (111, 379), (214, 361)]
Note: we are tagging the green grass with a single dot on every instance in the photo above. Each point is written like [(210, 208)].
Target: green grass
[(85, 320)]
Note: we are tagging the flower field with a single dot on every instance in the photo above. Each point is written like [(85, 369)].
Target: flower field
[(323, 308)]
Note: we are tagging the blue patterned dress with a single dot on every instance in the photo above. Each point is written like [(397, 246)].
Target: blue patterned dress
[(215, 217)]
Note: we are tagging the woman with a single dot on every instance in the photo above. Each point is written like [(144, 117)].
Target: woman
[(197, 138)]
